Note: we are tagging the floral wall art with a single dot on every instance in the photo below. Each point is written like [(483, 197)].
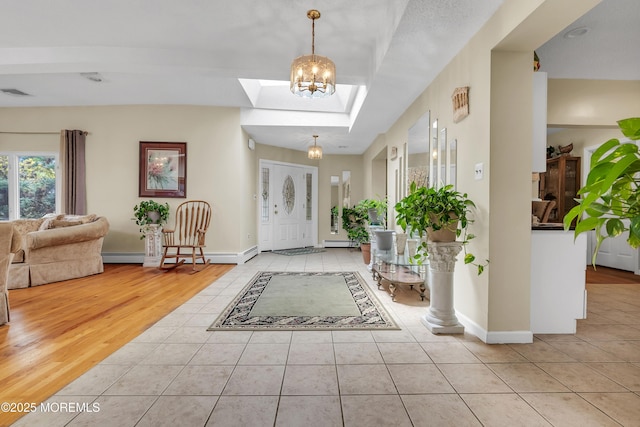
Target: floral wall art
[(163, 169)]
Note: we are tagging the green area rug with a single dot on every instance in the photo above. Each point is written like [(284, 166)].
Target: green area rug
[(304, 301), (298, 251)]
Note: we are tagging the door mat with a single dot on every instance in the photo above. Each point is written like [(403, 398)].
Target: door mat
[(305, 301), (298, 251)]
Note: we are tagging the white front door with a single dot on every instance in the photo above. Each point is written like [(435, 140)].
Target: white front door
[(288, 209), (615, 252)]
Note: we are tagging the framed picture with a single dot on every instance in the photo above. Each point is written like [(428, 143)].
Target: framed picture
[(163, 169)]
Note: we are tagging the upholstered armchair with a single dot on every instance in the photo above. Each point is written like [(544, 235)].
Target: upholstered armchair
[(9, 244)]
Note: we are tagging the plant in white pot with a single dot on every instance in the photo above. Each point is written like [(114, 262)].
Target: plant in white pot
[(443, 214), (149, 212), (376, 209)]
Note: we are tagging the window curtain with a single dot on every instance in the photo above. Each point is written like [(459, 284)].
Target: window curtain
[(74, 186)]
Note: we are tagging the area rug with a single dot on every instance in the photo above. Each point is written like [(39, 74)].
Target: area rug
[(298, 251), (305, 301)]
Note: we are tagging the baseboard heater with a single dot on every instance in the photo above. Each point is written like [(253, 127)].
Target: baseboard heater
[(337, 244)]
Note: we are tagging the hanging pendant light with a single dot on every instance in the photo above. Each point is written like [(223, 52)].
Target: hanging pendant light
[(315, 151), (313, 76)]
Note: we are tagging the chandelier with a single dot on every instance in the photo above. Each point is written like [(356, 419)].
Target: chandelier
[(313, 76), (315, 151)]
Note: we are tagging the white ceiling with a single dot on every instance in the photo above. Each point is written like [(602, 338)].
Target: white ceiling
[(210, 52), (609, 50)]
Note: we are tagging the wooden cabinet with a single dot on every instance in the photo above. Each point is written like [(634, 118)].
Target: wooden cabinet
[(561, 183)]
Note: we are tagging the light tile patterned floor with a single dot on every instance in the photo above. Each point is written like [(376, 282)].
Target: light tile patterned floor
[(178, 374)]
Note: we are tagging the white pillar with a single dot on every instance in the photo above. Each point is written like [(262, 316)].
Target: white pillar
[(153, 245), (441, 316)]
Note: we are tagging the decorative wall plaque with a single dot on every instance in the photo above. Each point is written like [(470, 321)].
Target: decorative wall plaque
[(460, 100)]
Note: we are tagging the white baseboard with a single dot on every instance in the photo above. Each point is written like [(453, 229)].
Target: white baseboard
[(215, 258), (494, 337)]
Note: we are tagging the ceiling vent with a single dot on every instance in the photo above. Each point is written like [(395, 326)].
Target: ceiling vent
[(93, 76), (14, 92)]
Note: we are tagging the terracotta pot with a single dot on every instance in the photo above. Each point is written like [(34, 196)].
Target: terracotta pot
[(445, 234), (366, 252)]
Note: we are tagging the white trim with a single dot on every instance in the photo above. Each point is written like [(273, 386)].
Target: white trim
[(510, 337), (494, 337), (215, 258), (336, 243)]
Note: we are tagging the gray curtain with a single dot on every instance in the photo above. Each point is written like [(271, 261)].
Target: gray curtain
[(74, 187)]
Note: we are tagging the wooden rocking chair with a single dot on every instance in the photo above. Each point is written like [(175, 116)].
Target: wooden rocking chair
[(192, 222)]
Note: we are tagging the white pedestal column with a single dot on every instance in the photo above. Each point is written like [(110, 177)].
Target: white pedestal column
[(441, 316), (153, 245)]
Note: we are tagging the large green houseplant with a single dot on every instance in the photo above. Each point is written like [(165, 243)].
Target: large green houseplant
[(611, 194), (430, 210), (150, 212)]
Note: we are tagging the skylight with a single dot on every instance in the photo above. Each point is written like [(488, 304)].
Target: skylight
[(275, 95)]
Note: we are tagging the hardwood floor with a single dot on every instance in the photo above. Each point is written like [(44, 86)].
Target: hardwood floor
[(60, 330), (605, 275)]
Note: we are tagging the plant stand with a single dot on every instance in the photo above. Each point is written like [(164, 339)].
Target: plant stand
[(153, 245), (441, 316)]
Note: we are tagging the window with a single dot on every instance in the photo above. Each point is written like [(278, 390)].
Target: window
[(29, 185)]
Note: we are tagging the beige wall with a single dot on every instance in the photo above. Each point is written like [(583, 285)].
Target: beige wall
[(220, 167), (591, 102)]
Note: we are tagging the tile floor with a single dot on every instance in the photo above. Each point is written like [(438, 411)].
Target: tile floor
[(178, 374)]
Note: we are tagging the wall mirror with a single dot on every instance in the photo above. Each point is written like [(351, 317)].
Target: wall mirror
[(346, 188), (417, 158), (452, 153), (434, 166), (443, 176), (335, 203)]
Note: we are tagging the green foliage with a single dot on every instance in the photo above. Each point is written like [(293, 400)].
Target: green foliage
[(36, 186), (428, 207), (142, 211), (354, 220), (379, 205), (354, 223), (611, 194)]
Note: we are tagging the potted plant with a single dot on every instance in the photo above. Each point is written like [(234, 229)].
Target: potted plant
[(149, 212), (443, 214), (354, 222), (611, 193), (376, 210)]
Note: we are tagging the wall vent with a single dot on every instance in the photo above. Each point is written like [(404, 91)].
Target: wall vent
[(15, 92)]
